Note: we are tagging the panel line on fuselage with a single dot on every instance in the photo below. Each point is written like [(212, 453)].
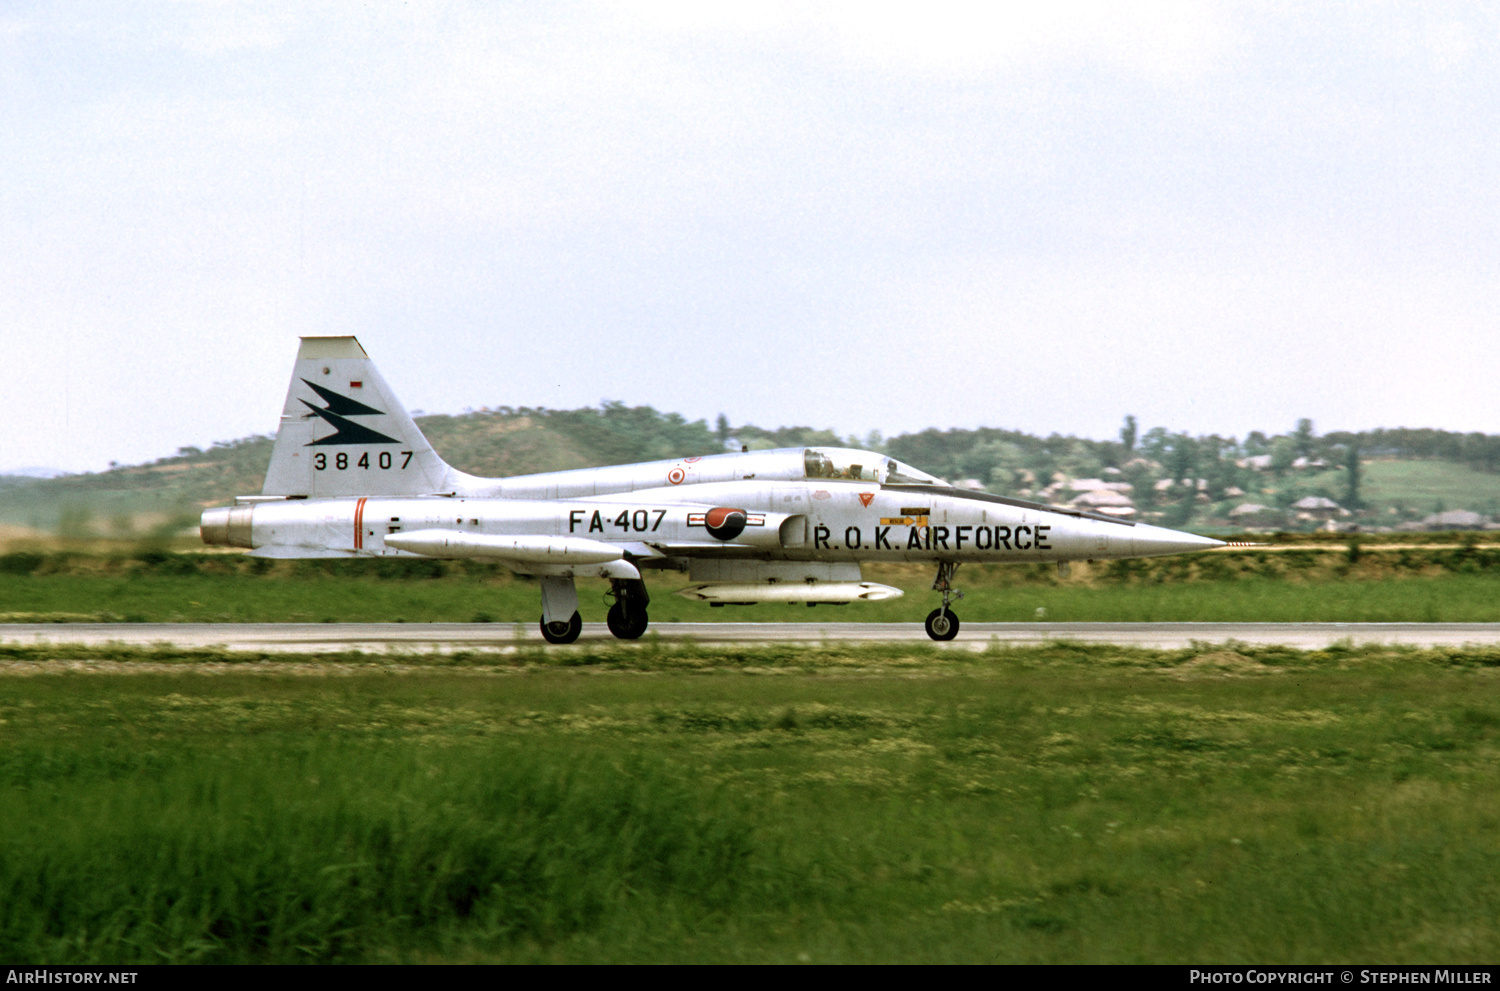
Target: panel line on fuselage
[(1008, 501)]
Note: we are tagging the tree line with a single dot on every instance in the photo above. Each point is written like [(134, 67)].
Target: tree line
[(519, 440)]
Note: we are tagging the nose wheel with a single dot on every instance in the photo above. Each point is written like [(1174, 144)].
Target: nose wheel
[(942, 623)]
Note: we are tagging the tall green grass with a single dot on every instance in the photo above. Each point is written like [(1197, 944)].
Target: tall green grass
[(335, 853), (1061, 803)]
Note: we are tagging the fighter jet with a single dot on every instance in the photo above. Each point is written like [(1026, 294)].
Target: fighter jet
[(351, 476)]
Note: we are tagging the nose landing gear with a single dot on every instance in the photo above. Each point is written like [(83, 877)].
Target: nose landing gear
[(942, 623)]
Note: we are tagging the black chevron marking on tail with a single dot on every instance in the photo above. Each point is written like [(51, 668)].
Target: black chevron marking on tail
[(345, 431), (342, 405)]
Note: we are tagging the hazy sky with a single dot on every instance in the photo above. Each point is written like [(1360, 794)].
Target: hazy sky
[(1217, 217)]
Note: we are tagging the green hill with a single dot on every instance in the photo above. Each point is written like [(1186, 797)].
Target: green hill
[(493, 443), (1420, 487), (1404, 474)]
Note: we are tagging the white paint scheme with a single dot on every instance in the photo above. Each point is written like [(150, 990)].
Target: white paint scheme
[(352, 475)]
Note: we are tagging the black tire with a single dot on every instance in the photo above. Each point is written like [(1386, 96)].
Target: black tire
[(626, 624), (942, 624), (562, 632)]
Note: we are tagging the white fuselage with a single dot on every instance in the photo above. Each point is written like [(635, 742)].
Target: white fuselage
[(657, 511)]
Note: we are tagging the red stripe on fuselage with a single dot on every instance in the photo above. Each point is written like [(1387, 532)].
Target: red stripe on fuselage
[(359, 525)]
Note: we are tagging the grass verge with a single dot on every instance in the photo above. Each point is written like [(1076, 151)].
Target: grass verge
[(1455, 583), (1060, 803)]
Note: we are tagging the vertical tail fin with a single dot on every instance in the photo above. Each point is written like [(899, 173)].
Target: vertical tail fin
[(343, 432)]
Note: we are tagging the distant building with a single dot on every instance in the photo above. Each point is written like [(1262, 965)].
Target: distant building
[(1098, 485), (1318, 508), (1454, 519), (1105, 501)]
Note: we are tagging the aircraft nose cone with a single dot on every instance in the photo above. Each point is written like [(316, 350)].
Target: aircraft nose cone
[(1153, 541)]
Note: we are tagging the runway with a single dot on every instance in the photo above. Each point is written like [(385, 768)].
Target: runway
[(312, 638)]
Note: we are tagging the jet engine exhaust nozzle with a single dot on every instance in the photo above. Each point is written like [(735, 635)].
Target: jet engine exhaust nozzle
[(227, 526)]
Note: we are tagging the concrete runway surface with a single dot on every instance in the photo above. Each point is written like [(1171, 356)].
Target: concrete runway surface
[(425, 637)]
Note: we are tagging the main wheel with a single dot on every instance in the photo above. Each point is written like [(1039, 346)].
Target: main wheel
[(627, 624), (562, 632), (942, 624)]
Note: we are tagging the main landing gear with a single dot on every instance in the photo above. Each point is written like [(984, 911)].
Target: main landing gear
[(627, 618), (560, 631), (942, 623), (560, 620)]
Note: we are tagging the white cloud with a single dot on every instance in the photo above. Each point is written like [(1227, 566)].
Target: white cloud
[(969, 39)]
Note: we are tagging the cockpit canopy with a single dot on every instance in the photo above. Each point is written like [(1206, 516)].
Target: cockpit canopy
[(862, 466)]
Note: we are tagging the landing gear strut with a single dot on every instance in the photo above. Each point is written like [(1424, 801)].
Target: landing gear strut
[(942, 623), (560, 620), (627, 618)]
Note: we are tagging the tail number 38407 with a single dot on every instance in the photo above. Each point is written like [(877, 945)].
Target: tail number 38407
[(384, 461)]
